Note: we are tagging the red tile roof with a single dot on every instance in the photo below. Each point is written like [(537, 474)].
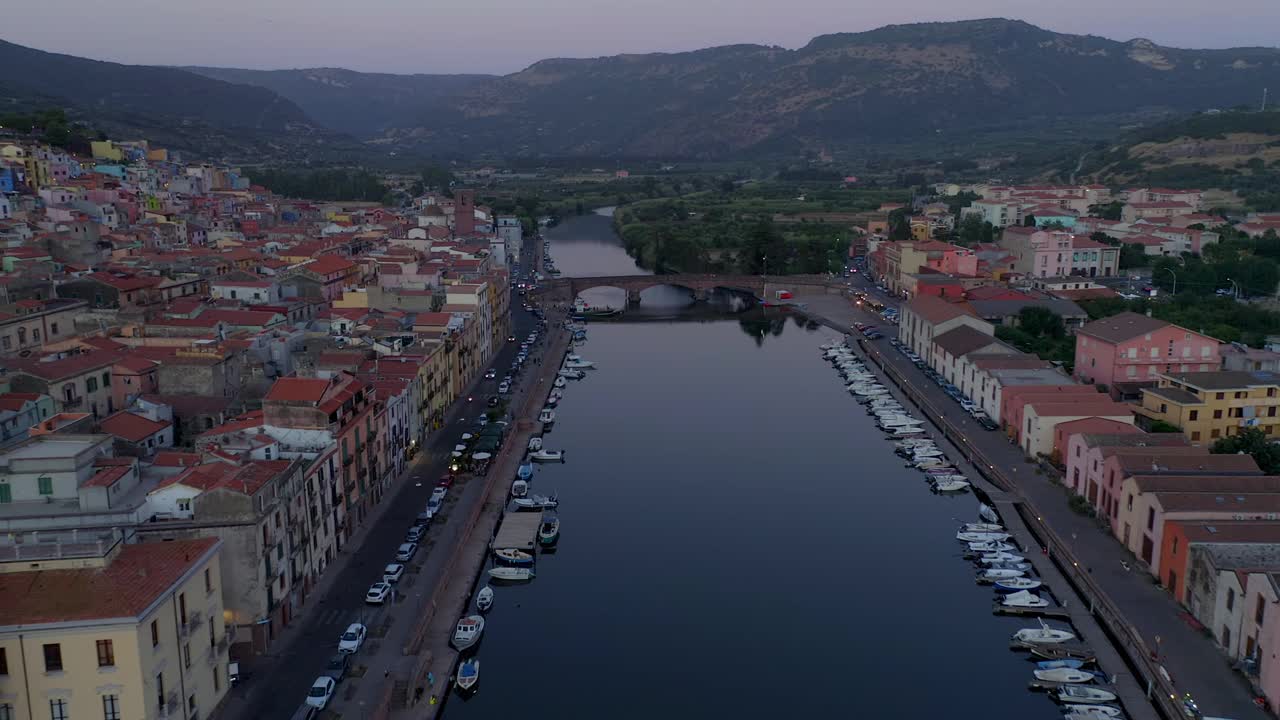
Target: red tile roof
[(108, 476), (138, 576), (295, 389), (174, 458), (132, 427), (72, 366), (934, 310), (327, 264)]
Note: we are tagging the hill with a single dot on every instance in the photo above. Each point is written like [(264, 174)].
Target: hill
[(179, 109), (1236, 150), (362, 104)]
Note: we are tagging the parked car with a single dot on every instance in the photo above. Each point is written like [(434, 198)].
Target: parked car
[(392, 573), (352, 639), (415, 533), (986, 422), (439, 492), (377, 592), (337, 667), (493, 401), (406, 551), (321, 692), (423, 519), (490, 374), (511, 338), (504, 388), (968, 406)]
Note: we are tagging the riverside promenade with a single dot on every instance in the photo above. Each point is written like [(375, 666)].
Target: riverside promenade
[(1145, 623)]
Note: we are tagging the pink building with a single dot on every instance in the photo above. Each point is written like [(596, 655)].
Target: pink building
[(1087, 451), (1132, 348)]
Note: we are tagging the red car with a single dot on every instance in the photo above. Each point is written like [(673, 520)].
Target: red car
[(446, 480)]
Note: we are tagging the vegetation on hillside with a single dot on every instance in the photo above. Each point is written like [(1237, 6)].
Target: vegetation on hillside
[(337, 184), (53, 126)]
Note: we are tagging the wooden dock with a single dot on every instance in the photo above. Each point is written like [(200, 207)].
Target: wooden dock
[(518, 531), (1049, 612)]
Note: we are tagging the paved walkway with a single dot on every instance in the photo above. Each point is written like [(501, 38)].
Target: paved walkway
[(1189, 657)]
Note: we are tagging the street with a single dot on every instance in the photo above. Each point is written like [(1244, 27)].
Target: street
[(1190, 657), (276, 684)]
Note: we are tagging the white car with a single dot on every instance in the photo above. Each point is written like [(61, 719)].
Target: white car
[(504, 388), (406, 551), (377, 593), (321, 692), (438, 493), (392, 573), (352, 639)]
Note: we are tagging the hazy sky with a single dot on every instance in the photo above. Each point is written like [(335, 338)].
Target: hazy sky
[(500, 36)]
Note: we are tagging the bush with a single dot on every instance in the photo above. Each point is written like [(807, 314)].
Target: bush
[(1080, 505)]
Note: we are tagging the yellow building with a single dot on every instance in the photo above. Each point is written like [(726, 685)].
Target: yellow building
[(105, 150), (129, 631), (1215, 404)]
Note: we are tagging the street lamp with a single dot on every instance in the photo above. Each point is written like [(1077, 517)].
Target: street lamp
[(1174, 291), (1237, 287)]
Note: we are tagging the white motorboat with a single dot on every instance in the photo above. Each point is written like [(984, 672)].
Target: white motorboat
[(1091, 712), (535, 443), (545, 456), (963, 536), (921, 453), (987, 513), (1080, 695), (1000, 557), (990, 546), (930, 463), (547, 416), (513, 556), (560, 382), (574, 362), (1044, 635), (906, 432), (951, 486), (519, 488), (999, 574), (511, 573), (467, 632), (468, 674), (1064, 675), (1024, 599), (983, 527), (1017, 584), (537, 502), (572, 374), (484, 598)]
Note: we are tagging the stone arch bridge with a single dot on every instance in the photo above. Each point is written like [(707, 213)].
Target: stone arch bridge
[(565, 289)]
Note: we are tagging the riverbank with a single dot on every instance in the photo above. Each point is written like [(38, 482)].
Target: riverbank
[(1138, 616)]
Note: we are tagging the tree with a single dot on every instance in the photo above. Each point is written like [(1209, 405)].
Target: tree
[(1251, 441), (1107, 211), (1105, 239), (899, 225), (1161, 426), (1132, 255), (1029, 220)]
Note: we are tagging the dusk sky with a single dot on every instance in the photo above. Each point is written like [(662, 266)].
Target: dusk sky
[(502, 36)]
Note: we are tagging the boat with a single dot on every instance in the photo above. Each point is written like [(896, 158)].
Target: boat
[(1064, 675), (983, 527), (1021, 566), (1055, 652), (525, 471), (468, 674), (578, 364), (999, 557), (988, 513), (511, 573), (1024, 599), (999, 574), (467, 632), (513, 556), (1091, 712), (906, 432), (537, 502), (1017, 584), (549, 532), (951, 486), (1082, 695), (535, 443), (545, 456), (1064, 663), (989, 547), (981, 536), (519, 488), (547, 416), (571, 374), (484, 598), (553, 400), (1043, 635), (560, 382)]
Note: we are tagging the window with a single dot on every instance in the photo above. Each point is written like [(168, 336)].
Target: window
[(53, 328), (1151, 518), (106, 379), (58, 709), (1129, 503), (6, 711), (186, 655), (212, 641), (1260, 611), (91, 385), (160, 690), (208, 580), (110, 707), (1217, 414), (1174, 551), (6, 342), (1155, 353), (4, 664), (1195, 435), (217, 681), (106, 653), (1220, 396), (22, 336), (1231, 598), (1164, 408), (182, 607), (155, 633), (184, 505), (52, 658), (1215, 433), (35, 335), (1194, 415)]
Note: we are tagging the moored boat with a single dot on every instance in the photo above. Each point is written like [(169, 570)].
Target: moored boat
[(560, 381), (519, 488), (983, 527), (513, 557), (484, 599), (537, 502), (1043, 635), (1017, 584), (981, 536), (572, 374), (468, 674), (1064, 675), (549, 531), (1077, 694), (1064, 663), (1024, 599), (1091, 712), (511, 573), (525, 471), (467, 632), (535, 443), (546, 456), (951, 486), (547, 416)]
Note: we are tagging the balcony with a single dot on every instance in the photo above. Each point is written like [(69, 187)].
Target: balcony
[(70, 403)]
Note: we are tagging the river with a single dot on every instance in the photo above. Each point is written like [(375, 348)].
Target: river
[(738, 540)]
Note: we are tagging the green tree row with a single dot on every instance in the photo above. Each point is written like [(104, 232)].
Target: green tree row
[(336, 184)]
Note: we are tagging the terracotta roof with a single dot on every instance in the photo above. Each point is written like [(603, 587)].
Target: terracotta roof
[(1064, 407), (1212, 484), (175, 458), (72, 366), (1232, 502), (1231, 531), (138, 576), (326, 264), (1007, 361), (108, 476), (136, 364), (132, 427), (296, 389), (934, 310), (1122, 327), (964, 340), (1188, 464)]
